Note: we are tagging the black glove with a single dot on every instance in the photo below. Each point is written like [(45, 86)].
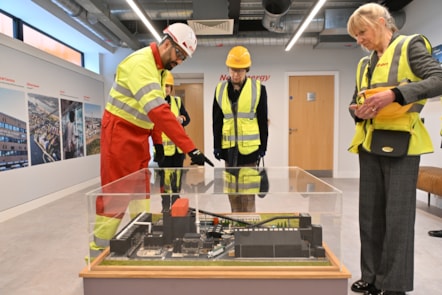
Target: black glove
[(198, 158), (217, 154), (159, 153)]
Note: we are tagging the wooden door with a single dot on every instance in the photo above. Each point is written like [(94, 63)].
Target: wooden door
[(192, 97), (311, 113)]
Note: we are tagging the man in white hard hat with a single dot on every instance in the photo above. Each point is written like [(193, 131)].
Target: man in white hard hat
[(136, 104)]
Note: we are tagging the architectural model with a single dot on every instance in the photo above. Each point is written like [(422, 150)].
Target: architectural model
[(183, 232)]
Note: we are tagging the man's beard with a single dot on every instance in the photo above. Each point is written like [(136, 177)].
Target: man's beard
[(170, 65)]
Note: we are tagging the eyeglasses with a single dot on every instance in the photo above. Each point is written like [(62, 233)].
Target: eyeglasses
[(179, 54)]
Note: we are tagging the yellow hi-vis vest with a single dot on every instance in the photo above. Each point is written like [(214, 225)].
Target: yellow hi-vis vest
[(245, 181), (242, 128), (172, 180), (391, 70), (137, 88), (169, 145)]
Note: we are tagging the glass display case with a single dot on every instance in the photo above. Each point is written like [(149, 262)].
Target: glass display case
[(200, 222)]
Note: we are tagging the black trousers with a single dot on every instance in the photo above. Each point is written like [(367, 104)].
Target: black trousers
[(387, 211)]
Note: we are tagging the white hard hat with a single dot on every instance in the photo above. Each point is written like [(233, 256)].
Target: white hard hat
[(183, 35)]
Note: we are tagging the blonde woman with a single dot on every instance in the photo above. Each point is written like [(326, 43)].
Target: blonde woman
[(392, 84)]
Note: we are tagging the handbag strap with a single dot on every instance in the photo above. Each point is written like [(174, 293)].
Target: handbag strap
[(258, 162)]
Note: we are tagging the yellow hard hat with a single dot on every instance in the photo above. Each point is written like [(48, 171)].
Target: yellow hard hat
[(238, 58), (169, 79)]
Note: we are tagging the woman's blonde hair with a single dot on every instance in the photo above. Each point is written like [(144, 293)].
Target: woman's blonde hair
[(368, 15)]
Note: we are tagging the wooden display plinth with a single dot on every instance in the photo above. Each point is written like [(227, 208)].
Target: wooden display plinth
[(215, 280)]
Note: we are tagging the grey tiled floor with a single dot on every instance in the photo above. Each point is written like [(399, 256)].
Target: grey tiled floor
[(42, 251)]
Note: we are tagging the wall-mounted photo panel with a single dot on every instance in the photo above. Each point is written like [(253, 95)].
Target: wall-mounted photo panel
[(44, 129), (13, 130), (92, 119), (33, 111), (437, 53), (72, 129)]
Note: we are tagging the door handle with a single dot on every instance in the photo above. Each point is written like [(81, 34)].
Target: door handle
[(292, 130)]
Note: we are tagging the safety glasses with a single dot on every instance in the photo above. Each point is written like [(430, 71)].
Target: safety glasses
[(179, 54)]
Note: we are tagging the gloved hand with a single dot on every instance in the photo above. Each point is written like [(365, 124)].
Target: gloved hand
[(198, 158), (217, 154), (261, 154), (159, 153)]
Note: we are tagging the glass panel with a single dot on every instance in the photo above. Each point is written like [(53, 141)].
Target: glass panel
[(51, 46), (6, 25), (224, 216)]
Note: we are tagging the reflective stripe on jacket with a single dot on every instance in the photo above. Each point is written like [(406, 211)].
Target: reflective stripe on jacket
[(136, 94), (169, 145), (391, 70), (240, 127)]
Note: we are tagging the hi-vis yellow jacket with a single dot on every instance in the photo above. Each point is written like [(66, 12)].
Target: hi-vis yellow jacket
[(169, 145), (392, 69), (245, 181), (135, 95), (240, 128), (172, 180)]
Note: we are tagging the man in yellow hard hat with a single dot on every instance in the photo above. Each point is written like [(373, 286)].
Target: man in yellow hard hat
[(240, 128), (167, 154)]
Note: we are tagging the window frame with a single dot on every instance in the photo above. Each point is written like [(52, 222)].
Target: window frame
[(18, 30)]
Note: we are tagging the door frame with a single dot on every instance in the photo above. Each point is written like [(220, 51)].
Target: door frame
[(335, 74)]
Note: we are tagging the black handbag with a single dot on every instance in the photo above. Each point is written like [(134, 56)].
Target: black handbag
[(390, 143)]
